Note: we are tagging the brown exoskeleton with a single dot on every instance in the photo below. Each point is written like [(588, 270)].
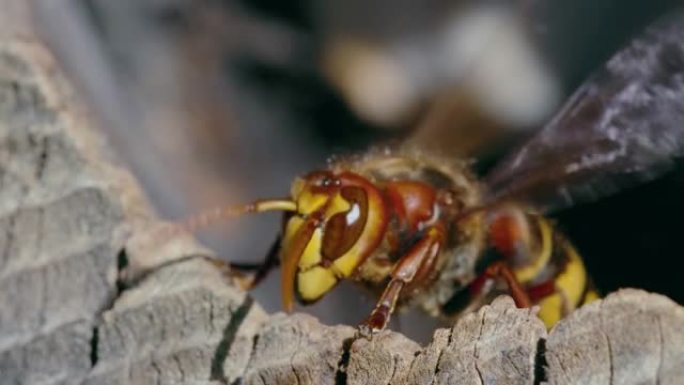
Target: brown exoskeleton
[(422, 229)]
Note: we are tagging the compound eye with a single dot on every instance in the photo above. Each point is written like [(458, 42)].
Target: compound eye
[(344, 229), (330, 181), (322, 180)]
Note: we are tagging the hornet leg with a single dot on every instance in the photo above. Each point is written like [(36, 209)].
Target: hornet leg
[(509, 233), (423, 253), (501, 270)]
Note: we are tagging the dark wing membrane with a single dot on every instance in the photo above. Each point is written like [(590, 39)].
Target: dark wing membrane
[(623, 126)]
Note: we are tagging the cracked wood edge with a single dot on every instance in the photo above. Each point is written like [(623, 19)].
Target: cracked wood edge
[(67, 212), (629, 337), (184, 323)]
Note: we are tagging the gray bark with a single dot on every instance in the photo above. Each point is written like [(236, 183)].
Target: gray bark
[(89, 293)]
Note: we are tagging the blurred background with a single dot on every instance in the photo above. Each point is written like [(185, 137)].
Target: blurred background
[(213, 102)]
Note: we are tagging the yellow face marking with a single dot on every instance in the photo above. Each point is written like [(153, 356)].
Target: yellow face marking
[(347, 263), (344, 266), (315, 282), (312, 252), (337, 205), (308, 202), (526, 273), (304, 246)]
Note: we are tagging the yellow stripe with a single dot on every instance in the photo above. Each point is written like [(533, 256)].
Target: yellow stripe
[(591, 296), (573, 279), (551, 309), (570, 285), (529, 272)]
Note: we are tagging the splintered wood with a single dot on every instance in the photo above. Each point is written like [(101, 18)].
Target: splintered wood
[(69, 221)]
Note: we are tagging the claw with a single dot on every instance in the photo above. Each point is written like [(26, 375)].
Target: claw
[(364, 331), (375, 323)]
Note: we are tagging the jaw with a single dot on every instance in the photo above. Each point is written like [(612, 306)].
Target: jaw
[(314, 283)]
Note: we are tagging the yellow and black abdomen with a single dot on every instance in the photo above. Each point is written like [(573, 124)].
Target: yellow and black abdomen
[(554, 275)]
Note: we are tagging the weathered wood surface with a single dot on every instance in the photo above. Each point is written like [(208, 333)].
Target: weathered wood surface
[(73, 225)]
